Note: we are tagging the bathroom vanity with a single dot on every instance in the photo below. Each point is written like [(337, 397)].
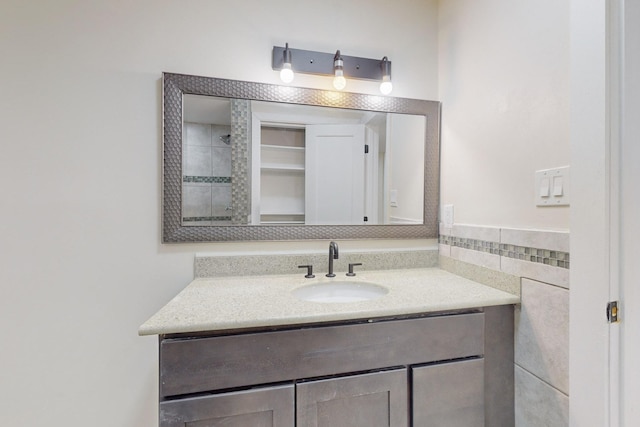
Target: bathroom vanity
[(424, 348), (436, 349)]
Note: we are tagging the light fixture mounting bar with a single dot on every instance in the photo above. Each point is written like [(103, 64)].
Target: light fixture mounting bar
[(320, 63)]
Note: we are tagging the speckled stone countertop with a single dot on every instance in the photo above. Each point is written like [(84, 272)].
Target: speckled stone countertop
[(218, 304)]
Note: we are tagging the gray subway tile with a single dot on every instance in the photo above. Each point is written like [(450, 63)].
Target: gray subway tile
[(484, 259), (536, 270), (196, 200), (548, 240), (491, 234), (537, 404), (542, 333), (197, 134)]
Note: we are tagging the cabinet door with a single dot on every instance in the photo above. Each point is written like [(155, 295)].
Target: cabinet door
[(371, 400), (266, 407), (449, 394)]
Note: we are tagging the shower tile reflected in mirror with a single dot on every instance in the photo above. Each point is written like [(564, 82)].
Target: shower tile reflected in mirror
[(241, 123), (206, 174), (196, 203)]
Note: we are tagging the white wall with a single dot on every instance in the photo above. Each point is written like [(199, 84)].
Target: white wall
[(406, 166), (503, 76), (81, 263)]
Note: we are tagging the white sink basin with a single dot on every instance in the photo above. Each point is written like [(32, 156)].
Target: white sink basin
[(340, 291)]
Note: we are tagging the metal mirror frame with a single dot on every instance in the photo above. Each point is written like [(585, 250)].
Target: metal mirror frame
[(174, 86)]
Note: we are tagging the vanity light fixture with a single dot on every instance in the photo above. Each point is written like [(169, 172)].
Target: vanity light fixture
[(386, 87), (286, 73), (341, 67), (339, 82)]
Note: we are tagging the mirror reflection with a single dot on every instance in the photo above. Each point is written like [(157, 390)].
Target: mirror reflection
[(249, 162)]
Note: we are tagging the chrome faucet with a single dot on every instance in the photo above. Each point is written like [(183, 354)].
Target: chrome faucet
[(333, 254)]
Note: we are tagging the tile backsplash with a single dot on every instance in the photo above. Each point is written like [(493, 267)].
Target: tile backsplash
[(535, 265), (535, 254), (543, 256), (259, 264)]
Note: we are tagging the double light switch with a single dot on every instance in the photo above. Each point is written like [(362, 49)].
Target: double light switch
[(552, 187)]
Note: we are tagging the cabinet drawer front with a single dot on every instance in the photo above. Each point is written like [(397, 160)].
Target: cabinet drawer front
[(266, 407), (371, 400), (203, 364), (449, 394)]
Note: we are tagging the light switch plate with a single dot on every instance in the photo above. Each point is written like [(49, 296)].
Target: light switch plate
[(552, 187), (393, 198)]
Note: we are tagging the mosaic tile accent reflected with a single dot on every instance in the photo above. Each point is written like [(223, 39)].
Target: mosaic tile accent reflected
[(542, 256), (240, 168), (208, 179), (207, 218)]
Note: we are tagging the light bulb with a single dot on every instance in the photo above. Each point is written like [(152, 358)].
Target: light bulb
[(286, 73), (386, 87), (339, 82)]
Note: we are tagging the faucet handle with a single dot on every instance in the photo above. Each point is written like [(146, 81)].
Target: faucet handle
[(351, 273), (309, 268)]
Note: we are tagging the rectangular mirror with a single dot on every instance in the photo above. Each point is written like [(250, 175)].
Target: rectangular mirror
[(251, 161)]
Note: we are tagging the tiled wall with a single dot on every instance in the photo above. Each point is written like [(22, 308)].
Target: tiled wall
[(534, 264), (206, 175), (240, 157)]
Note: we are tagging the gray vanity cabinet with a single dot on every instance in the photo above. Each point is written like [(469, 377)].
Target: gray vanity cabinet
[(261, 407), (449, 394), (446, 369), (378, 399)]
